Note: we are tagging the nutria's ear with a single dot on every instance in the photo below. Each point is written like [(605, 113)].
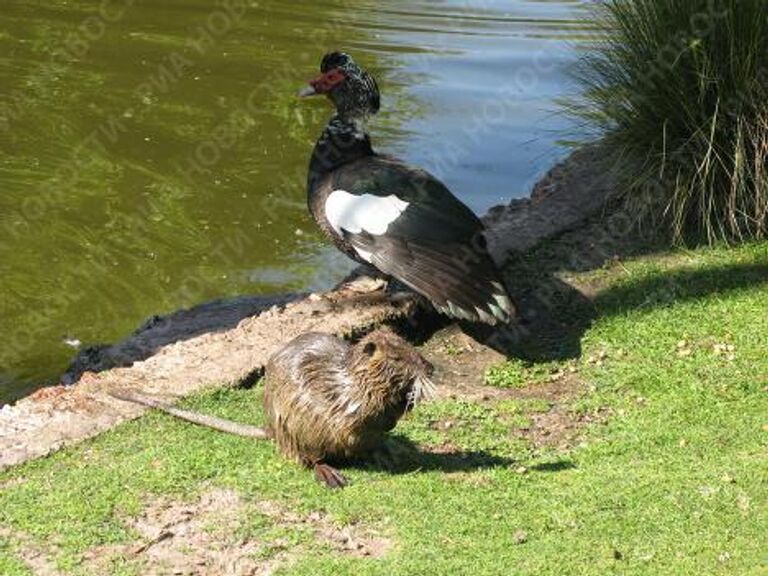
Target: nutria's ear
[(369, 348)]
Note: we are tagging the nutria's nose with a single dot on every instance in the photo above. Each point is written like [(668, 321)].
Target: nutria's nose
[(428, 367)]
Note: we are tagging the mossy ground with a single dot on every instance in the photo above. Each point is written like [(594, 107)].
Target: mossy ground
[(671, 478)]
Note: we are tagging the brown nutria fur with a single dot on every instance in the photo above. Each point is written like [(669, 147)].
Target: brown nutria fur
[(329, 401)]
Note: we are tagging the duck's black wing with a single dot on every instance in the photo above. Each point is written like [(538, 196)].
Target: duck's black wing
[(407, 224)]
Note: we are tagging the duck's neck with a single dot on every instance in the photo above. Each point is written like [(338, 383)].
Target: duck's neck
[(342, 141)]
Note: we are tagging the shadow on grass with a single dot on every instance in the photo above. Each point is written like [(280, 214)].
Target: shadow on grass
[(557, 466), (680, 286), (553, 318), (555, 315), (399, 455)]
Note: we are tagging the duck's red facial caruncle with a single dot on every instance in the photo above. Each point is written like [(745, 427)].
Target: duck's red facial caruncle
[(324, 83)]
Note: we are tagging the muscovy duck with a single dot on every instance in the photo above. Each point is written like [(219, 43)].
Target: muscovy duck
[(401, 220)]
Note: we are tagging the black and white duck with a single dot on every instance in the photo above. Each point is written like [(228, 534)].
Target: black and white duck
[(397, 218)]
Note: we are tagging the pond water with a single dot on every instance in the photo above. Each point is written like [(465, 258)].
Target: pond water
[(153, 155)]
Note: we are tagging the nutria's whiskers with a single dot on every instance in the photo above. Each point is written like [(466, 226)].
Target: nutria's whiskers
[(422, 389)]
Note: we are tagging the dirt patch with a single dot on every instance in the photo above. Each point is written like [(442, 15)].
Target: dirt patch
[(36, 559), (558, 428), (354, 539), (185, 538), (561, 388), (460, 363), (202, 538)]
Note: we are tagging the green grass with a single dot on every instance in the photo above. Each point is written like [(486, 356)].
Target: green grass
[(673, 482), (516, 373), (9, 562), (679, 89)]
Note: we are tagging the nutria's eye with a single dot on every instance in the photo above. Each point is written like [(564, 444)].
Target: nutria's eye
[(369, 348)]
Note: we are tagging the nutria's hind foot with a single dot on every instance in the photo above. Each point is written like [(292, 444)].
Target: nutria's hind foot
[(329, 476)]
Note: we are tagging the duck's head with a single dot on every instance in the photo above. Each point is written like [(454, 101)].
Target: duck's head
[(351, 89)]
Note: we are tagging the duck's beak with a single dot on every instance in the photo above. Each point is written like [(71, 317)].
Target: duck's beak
[(313, 87), (308, 90)]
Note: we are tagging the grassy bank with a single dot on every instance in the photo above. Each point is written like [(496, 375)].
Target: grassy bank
[(667, 474), (678, 89)]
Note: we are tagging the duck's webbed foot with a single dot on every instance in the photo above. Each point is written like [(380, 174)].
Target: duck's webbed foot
[(329, 476), (363, 280), (367, 285)]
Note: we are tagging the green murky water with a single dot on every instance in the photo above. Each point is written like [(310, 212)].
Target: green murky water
[(153, 154)]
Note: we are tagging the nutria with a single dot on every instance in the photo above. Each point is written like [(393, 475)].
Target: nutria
[(328, 401)]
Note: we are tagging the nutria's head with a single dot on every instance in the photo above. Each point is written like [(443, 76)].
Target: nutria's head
[(384, 359)]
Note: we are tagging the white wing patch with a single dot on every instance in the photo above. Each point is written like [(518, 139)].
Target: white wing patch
[(365, 212)]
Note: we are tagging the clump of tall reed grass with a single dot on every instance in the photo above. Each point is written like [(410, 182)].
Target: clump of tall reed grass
[(679, 91)]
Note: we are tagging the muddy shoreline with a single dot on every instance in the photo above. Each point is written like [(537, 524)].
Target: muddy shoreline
[(227, 342)]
